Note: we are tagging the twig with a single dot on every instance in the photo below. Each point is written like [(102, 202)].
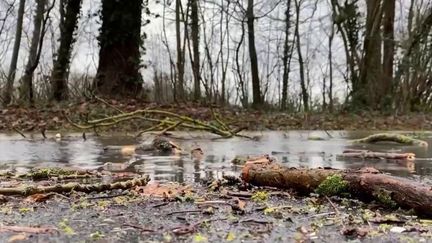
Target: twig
[(184, 211), (108, 104), (43, 133), (139, 227), (25, 229), (212, 202), (160, 205), (19, 132), (255, 221), (108, 196), (333, 205)]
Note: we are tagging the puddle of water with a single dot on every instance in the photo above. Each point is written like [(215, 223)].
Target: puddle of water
[(291, 148)]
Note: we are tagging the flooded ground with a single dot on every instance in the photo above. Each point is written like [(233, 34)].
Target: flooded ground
[(231, 213), (295, 148)]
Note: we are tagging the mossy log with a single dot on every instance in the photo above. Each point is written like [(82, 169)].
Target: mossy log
[(366, 154), (391, 137), (78, 187), (366, 184)]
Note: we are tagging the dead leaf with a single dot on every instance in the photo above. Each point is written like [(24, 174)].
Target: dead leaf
[(238, 205), (18, 237), (170, 190), (128, 150), (197, 154), (38, 197), (355, 231)]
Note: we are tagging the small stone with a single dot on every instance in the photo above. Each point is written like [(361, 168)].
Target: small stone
[(397, 229)]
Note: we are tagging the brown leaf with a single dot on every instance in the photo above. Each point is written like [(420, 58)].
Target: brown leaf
[(355, 231), (166, 191), (238, 205), (18, 237), (38, 197), (197, 154)]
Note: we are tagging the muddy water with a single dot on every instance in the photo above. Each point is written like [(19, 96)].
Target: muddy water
[(292, 148)]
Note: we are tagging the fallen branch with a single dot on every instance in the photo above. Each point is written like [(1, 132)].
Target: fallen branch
[(365, 184), (390, 137), (366, 154), (26, 229), (171, 121), (65, 188)]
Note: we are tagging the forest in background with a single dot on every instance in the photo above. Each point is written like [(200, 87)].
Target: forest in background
[(292, 55)]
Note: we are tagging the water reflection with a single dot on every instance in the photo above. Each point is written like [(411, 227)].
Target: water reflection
[(291, 148)]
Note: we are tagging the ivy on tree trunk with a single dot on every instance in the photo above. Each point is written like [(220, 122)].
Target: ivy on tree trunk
[(119, 56)]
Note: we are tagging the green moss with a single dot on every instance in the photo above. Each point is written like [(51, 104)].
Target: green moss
[(385, 198), (260, 196), (46, 173), (64, 226), (239, 160), (333, 185), (96, 235)]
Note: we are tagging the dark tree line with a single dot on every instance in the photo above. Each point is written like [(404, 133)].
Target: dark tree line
[(382, 71)]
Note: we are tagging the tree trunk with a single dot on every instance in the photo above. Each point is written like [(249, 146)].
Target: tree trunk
[(285, 57), (366, 184), (371, 67), (61, 65), (26, 89), (8, 91), (180, 61), (195, 47), (119, 55), (389, 49), (304, 92), (256, 87), (330, 60)]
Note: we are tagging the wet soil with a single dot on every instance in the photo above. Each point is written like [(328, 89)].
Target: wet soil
[(284, 217), (52, 117)]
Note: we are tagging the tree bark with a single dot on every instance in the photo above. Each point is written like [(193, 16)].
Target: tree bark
[(304, 92), (389, 48), (366, 184), (26, 89), (195, 47), (371, 67), (8, 91), (119, 55), (256, 87), (285, 57), (180, 61), (61, 65)]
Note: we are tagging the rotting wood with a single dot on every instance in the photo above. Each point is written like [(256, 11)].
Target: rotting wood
[(366, 154), (79, 187), (391, 137), (365, 184)]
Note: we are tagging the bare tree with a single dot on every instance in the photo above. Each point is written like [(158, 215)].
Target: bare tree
[(39, 22), (180, 56), (286, 58), (68, 25), (195, 47), (389, 49), (8, 91), (304, 91), (256, 86)]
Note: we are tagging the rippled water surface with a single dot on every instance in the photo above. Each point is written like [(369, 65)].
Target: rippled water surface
[(293, 148)]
